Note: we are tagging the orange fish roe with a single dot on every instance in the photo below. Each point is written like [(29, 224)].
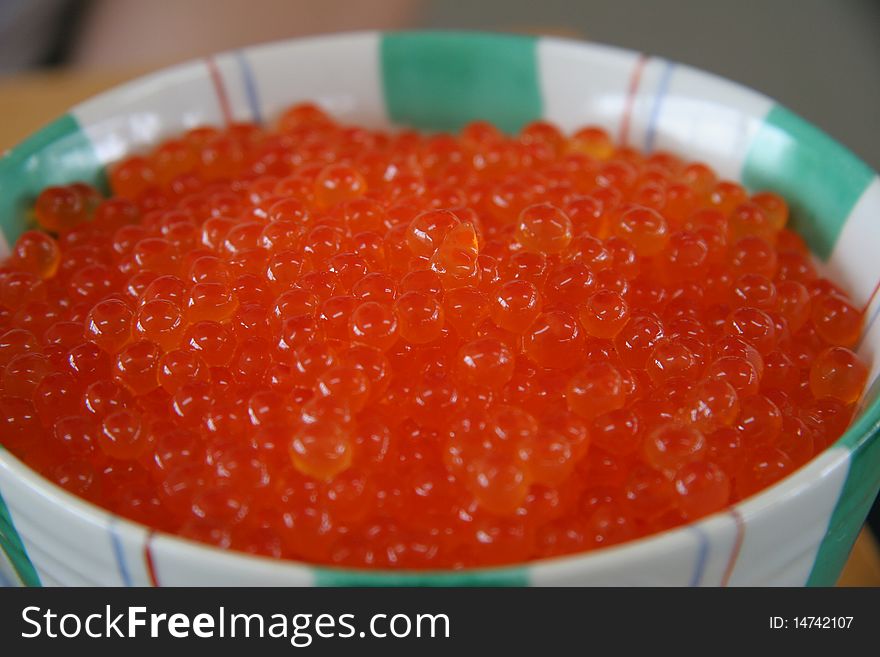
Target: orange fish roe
[(351, 347)]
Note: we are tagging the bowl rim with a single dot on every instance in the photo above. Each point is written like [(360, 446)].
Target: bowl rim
[(858, 435)]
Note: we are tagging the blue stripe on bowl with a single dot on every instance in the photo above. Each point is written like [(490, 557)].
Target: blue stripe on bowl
[(659, 97), (703, 547), (119, 552), (250, 86)]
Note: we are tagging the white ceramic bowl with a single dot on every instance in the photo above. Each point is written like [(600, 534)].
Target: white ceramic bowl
[(798, 532)]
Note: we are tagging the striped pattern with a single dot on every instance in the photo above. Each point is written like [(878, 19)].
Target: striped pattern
[(58, 153), (150, 561), (219, 91), (659, 97), (800, 532), (626, 116), (704, 546), (119, 552), (822, 180), (488, 577), (250, 86), (13, 548), (442, 80), (737, 546)]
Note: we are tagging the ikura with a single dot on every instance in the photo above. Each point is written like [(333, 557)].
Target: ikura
[(357, 348)]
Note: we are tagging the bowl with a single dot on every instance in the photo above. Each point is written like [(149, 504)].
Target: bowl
[(797, 532)]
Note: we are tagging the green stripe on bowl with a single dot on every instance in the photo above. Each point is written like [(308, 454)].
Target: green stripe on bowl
[(59, 154), (11, 544), (441, 81), (489, 577), (821, 179), (858, 494)]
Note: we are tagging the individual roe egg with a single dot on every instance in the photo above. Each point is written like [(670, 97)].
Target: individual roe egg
[(837, 372), (544, 228), (516, 305)]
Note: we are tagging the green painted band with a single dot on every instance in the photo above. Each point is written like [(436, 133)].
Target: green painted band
[(59, 154), (10, 543), (443, 80), (821, 179), (499, 577), (858, 493)]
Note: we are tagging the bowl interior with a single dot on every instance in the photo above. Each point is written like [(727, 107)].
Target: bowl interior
[(440, 81)]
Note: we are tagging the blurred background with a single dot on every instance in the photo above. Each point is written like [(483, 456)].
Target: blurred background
[(820, 58)]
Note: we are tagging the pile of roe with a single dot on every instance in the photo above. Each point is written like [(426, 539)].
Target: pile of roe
[(397, 350)]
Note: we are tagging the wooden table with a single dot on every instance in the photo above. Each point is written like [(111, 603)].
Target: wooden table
[(29, 101)]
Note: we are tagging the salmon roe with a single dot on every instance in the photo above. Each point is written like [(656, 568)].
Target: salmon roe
[(397, 350)]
